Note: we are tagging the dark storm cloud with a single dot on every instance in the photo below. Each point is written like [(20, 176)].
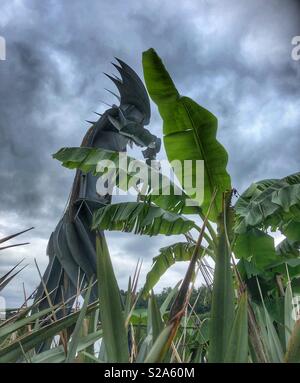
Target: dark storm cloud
[(233, 57)]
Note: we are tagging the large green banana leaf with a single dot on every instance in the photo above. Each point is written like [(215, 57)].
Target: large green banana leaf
[(260, 255), (189, 131), (271, 203), (168, 256), (288, 249), (266, 261), (87, 159), (256, 246), (140, 218)]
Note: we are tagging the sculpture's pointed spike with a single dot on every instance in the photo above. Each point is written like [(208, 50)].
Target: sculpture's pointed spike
[(115, 79), (91, 122), (131, 89), (116, 66), (121, 70), (125, 68), (121, 62), (98, 114), (114, 94), (105, 103)]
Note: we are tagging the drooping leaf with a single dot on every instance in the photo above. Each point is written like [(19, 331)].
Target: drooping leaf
[(269, 203), (291, 229), (256, 246), (288, 249), (168, 256), (253, 191), (163, 192), (140, 218), (189, 132), (247, 269), (263, 264)]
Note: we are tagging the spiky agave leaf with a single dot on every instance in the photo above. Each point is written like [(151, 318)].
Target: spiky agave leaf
[(5, 279), (5, 239)]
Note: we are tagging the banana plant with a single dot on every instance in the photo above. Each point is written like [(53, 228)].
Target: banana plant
[(254, 281), (189, 133)]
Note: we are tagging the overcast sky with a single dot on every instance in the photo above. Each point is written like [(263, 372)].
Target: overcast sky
[(231, 56)]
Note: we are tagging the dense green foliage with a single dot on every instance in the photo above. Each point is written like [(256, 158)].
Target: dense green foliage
[(200, 299)]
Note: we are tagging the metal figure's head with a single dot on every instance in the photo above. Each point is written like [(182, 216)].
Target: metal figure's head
[(133, 113), (134, 99)]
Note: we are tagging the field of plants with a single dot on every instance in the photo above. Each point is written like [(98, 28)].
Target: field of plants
[(251, 285)]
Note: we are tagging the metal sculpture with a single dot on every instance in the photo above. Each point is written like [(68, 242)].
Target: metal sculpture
[(71, 247)]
